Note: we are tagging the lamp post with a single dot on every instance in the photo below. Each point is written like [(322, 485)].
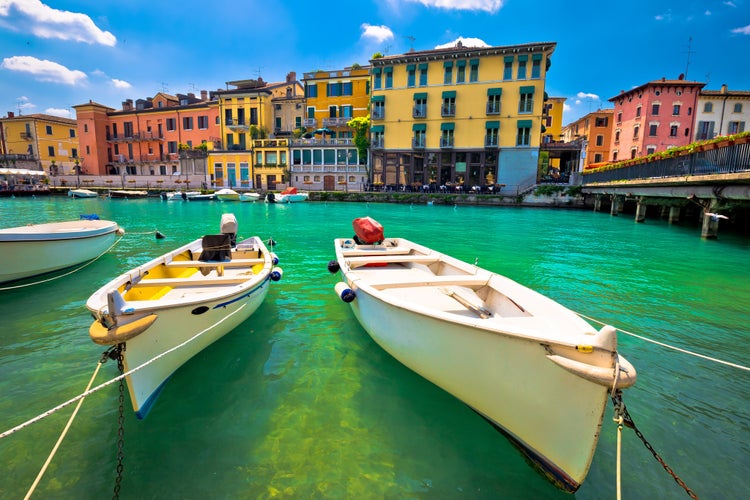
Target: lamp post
[(77, 168)]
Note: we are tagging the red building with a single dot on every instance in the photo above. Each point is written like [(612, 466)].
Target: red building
[(653, 117)]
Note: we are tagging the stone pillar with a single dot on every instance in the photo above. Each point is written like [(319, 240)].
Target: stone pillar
[(616, 205), (710, 229), (674, 215), (597, 203), (640, 211)]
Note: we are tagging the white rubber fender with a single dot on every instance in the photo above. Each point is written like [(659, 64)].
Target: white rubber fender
[(601, 375), (120, 333)]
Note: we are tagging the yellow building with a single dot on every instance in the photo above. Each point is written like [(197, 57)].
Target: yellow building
[(458, 117), (49, 141), (553, 119), (250, 113)]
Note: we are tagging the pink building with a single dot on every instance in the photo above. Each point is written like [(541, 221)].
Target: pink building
[(653, 117)]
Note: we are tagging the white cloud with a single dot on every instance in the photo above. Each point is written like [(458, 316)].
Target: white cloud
[(567, 107), (377, 33), (490, 6), (64, 113), (466, 42), (745, 30), (730, 4), (707, 13), (46, 22), (23, 103), (584, 95), (120, 84), (44, 70)]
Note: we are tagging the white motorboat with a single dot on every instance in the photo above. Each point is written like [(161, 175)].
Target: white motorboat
[(82, 193), (42, 248), (127, 194), (249, 197), (180, 302), (289, 195), (227, 194), (533, 368), (180, 195)]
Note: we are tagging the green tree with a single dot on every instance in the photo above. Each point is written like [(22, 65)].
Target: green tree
[(361, 128)]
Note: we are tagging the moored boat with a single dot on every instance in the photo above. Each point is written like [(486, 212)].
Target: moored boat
[(180, 195), (180, 302), (249, 197), (534, 369), (288, 195), (126, 194), (227, 194), (42, 248), (82, 193)]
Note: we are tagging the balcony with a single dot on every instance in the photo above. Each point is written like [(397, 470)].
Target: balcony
[(446, 142), (27, 136), (237, 125), (449, 110), (418, 143), (490, 142), (493, 108), (340, 121), (419, 112), (310, 123), (378, 114)]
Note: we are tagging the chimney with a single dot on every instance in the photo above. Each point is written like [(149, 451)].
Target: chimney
[(127, 105), (291, 77), (11, 114), (204, 95), (724, 88), (191, 95)]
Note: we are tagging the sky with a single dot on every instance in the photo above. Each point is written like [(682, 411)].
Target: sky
[(55, 54)]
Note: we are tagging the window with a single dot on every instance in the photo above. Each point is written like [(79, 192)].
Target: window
[(705, 131), (493, 101), (619, 117), (599, 140), (736, 127), (738, 108), (253, 116), (389, 78), (523, 137), (614, 156), (617, 136), (411, 76), (474, 70), (526, 103), (653, 129), (377, 138), (172, 147), (522, 67), (420, 106), (377, 79), (448, 73), (650, 150), (333, 89), (311, 90), (418, 141), (297, 122), (446, 135), (708, 107), (127, 129), (601, 121), (673, 131), (637, 111), (346, 88), (49, 129), (508, 70), (72, 132), (636, 131), (536, 66), (597, 157), (676, 110), (423, 75), (449, 104), (74, 152), (51, 150), (187, 123), (378, 108), (492, 134), (203, 122), (655, 109), (461, 72), (170, 124)]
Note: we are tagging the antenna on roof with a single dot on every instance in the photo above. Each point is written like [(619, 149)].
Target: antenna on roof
[(192, 87), (689, 52), (259, 71), (386, 49), (164, 87), (411, 42)]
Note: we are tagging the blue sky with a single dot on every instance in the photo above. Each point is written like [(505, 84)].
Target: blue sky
[(58, 53)]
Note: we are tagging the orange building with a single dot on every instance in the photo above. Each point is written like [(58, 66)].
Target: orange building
[(143, 138), (596, 130)]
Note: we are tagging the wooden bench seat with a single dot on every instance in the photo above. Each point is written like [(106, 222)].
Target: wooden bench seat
[(199, 281), (229, 263), (355, 262), (376, 251), (411, 281)]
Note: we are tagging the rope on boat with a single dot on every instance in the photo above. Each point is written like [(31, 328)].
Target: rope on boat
[(685, 351), (116, 379), (62, 436), (65, 274)]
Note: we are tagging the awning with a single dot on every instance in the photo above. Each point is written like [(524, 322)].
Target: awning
[(21, 171)]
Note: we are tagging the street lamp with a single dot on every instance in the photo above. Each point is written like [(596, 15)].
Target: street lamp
[(77, 168)]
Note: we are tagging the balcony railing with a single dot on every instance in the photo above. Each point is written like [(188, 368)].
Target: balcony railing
[(378, 114), (310, 123), (418, 143), (27, 136), (448, 110), (340, 121), (446, 142), (419, 112), (490, 142), (493, 108), (377, 143)]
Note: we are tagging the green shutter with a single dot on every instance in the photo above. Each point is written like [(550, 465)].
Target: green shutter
[(494, 91), (410, 67), (419, 127), (378, 98), (461, 63), (447, 126), (423, 66), (509, 59), (448, 64), (448, 94), (495, 124), (523, 58), (474, 62), (376, 71), (536, 57), (389, 69), (420, 95), (377, 128), (524, 123), (529, 89)]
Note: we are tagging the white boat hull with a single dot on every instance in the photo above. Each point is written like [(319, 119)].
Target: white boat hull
[(525, 363), (178, 302), (42, 248), (82, 193)]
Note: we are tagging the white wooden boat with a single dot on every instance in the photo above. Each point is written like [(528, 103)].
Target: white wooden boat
[(82, 193), (533, 368), (42, 248), (180, 195), (127, 194), (289, 195), (227, 194), (189, 297), (249, 197)]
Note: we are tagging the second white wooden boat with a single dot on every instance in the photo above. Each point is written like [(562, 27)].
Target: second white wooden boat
[(533, 368)]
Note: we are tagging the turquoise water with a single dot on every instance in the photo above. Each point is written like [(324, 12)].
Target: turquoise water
[(298, 402)]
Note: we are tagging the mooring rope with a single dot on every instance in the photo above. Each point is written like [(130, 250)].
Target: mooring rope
[(65, 274), (62, 436), (685, 351), (116, 379)]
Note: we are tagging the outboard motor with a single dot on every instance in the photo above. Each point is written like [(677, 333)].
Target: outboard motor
[(271, 198), (229, 226)]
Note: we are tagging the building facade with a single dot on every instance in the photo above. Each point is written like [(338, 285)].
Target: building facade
[(653, 117), (144, 138), (49, 142), (325, 157), (721, 112), (594, 132), (460, 117)]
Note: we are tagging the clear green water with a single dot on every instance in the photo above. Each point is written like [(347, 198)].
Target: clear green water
[(298, 402)]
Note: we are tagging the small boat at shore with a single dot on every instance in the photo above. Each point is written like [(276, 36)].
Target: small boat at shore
[(82, 193), (289, 195), (534, 369), (180, 195), (127, 194), (249, 197), (227, 194), (42, 248), (180, 302)]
